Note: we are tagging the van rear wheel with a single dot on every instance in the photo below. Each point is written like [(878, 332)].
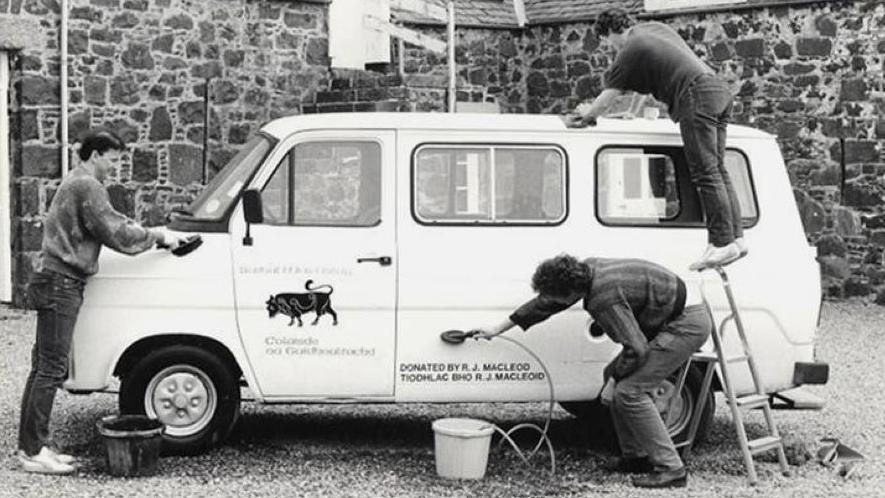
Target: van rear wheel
[(190, 390), (677, 420)]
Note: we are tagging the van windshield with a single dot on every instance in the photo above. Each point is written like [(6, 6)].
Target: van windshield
[(224, 189)]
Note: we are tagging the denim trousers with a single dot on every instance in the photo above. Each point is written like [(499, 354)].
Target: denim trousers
[(57, 299), (640, 428), (706, 107)]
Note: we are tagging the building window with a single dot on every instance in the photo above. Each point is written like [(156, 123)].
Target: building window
[(489, 184)]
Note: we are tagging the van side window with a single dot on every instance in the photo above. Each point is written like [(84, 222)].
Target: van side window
[(650, 186), (489, 185), (326, 183)]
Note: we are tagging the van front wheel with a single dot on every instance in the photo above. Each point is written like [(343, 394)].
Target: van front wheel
[(190, 390)]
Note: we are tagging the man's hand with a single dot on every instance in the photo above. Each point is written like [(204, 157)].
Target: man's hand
[(576, 120), (169, 241)]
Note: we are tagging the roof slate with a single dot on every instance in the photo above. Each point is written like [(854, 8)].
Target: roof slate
[(501, 13), (485, 13), (549, 11)]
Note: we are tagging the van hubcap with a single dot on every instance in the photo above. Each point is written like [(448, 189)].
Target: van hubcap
[(182, 397)]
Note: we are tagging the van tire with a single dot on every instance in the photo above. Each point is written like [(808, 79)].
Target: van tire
[(599, 415), (211, 387)]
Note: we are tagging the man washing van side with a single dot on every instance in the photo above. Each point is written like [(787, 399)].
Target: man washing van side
[(80, 221), (654, 59), (659, 322)]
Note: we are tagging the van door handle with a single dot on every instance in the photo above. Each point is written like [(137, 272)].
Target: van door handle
[(381, 260)]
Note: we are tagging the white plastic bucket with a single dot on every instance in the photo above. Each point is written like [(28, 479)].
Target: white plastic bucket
[(461, 447)]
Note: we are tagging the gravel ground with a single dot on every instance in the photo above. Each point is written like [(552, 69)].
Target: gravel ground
[(385, 450)]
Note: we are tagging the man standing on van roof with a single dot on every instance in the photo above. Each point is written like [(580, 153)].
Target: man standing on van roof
[(79, 222), (654, 59), (660, 323)]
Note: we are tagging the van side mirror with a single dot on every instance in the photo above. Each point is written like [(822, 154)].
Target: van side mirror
[(252, 211), (252, 208)]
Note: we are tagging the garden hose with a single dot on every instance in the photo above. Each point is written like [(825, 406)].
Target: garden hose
[(458, 337)]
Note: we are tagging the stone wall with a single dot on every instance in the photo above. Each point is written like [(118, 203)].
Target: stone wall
[(806, 73), (143, 68)]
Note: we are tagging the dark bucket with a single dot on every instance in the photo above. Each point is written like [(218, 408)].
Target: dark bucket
[(133, 444)]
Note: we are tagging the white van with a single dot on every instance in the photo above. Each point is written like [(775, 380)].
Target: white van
[(378, 232)]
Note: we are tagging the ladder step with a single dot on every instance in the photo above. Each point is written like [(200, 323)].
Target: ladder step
[(763, 444), (752, 401), (710, 357), (704, 356)]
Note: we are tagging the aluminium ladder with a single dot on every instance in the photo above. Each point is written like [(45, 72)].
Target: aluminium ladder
[(759, 399)]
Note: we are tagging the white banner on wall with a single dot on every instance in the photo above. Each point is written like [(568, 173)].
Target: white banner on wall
[(351, 43)]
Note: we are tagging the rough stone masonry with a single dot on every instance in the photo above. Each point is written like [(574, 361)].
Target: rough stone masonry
[(805, 71)]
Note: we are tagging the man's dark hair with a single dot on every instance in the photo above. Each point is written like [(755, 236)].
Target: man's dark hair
[(613, 21), (99, 140), (562, 275)]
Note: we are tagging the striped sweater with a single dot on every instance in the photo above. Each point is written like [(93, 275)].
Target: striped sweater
[(629, 298)]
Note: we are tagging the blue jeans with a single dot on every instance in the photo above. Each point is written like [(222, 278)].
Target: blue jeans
[(57, 299), (641, 431), (706, 107)]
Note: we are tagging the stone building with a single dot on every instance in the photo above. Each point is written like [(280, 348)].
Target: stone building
[(175, 75)]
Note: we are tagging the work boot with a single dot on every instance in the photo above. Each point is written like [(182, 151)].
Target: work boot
[(663, 479), (43, 463), (630, 465)]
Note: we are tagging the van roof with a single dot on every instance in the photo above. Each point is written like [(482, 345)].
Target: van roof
[(284, 127)]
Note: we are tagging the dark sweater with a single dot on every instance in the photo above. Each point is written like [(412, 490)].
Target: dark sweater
[(656, 60), (81, 220)]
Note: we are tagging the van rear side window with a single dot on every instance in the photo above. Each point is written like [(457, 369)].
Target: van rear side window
[(651, 186), (489, 185)]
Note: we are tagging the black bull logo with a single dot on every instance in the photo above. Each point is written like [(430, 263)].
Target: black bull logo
[(295, 304)]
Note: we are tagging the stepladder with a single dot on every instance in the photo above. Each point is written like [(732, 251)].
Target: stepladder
[(739, 405)]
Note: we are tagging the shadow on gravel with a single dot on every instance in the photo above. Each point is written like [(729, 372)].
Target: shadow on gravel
[(391, 427)]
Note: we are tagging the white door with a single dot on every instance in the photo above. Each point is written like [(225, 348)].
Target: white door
[(6, 210), (316, 289)]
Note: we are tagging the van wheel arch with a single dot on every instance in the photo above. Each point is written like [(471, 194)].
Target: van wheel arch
[(142, 347)]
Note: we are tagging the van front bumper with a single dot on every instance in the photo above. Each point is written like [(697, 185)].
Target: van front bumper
[(811, 372)]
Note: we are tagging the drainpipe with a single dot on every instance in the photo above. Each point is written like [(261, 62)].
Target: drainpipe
[(64, 87), (450, 7)]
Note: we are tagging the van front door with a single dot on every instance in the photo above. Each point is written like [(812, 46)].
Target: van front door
[(316, 288)]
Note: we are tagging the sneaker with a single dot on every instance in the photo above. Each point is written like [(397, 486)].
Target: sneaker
[(717, 256), (61, 457), (43, 463), (742, 246)]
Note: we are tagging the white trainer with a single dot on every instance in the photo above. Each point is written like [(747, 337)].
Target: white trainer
[(43, 463), (717, 256), (62, 457)]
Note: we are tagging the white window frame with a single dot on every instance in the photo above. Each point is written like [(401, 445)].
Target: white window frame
[(492, 148)]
